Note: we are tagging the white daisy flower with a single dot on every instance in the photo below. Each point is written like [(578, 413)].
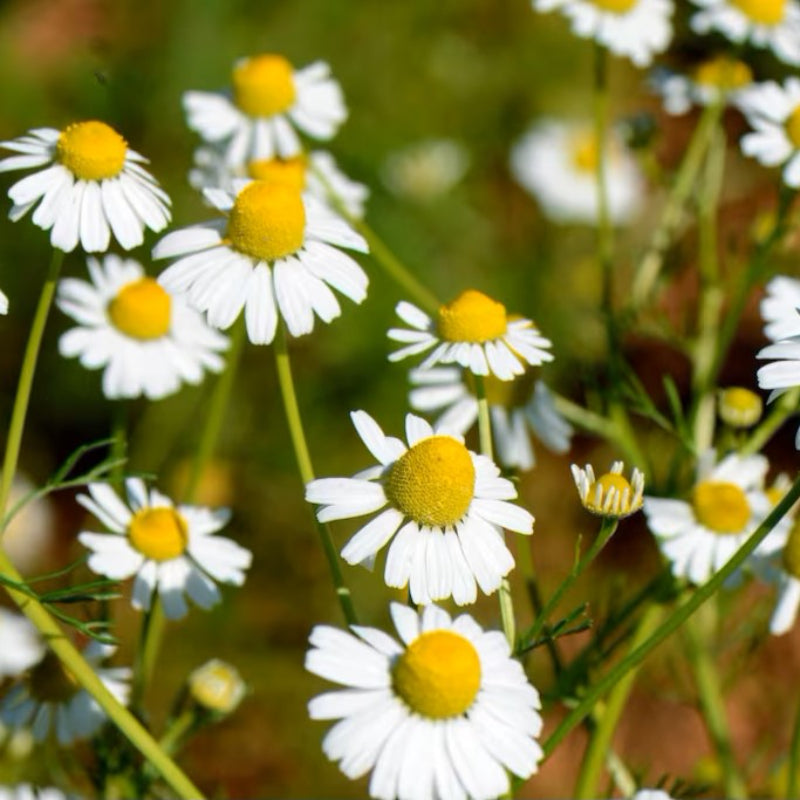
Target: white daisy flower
[(474, 331), (774, 24), (20, 644), (274, 250), (783, 374), (3, 303), (612, 494), (147, 339), (718, 77), (780, 308), (25, 791), (50, 701), (651, 794), (217, 686), (782, 570), (425, 169), (774, 112), (556, 162), (317, 173), (443, 507), (269, 99), (171, 550), (727, 504), (444, 713), (636, 29), (93, 185), (513, 407)]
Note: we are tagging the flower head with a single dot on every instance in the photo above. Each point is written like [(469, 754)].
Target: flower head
[(172, 550), (442, 506), (217, 686), (267, 101), (784, 373), (92, 185), (780, 308), (739, 407), (20, 645), (612, 494), (426, 714)]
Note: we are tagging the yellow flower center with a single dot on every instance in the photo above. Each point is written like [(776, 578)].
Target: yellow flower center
[(217, 686), (762, 12), (291, 171), (723, 73), (158, 533), (263, 85), (49, 682), (585, 153), (267, 221), (432, 482), (791, 552), (793, 127), (720, 506), (615, 6), (739, 407), (439, 675), (91, 151), (472, 317), (141, 310)]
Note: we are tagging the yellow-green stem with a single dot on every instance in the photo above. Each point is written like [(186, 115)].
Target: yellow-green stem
[(306, 469), (179, 727), (784, 407)]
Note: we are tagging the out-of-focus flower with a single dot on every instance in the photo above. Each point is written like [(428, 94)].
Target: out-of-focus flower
[(30, 536), (275, 249), (25, 791), (612, 494), (780, 308), (147, 339), (442, 506), (739, 407), (217, 686), (446, 712), (269, 99), (557, 163), (425, 170), (20, 644), (92, 185)]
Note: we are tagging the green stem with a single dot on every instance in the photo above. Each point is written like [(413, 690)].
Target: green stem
[(303, 456), (793, 778), (784, 407), (22, 399), (673, 622), (119, 441), (177, 731), (599, 749)]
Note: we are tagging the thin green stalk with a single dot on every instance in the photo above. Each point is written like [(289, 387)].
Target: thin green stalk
[(712, 705), (179, 728), (582, 417), (599, 749), (784, 407), (673, 621), (119, 441), (303, 456), (22, 399), (793, 778)]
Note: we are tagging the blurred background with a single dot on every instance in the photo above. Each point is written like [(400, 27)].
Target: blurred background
[(475, 74)]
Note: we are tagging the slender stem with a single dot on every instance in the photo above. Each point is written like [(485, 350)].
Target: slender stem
[(673, 622), (582, 417), (119, 441), (22, 399), (303, 456), (793, 779), (785, 406), (599, 749), (712, 705), (177, 731)]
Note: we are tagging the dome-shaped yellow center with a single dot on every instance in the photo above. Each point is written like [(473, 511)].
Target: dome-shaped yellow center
[(141, 309), (267, 221), (433, 482), (793, 127), (739, 407), (611, 481), (791, 552), (615, 6), (159, 533), (585, 153), (723, 73), (263, 85), (291, 171), (49, 682), (472, 317), (91, 151), (762, 12), (720, 506), (439, 675)]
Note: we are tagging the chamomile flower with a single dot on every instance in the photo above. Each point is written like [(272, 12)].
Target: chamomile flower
[(217, 687), (784, 373), (426, 169), (92, 186), (171, 550), (148, 340), (20, 645), (317, 173), (442, 506), (514, 406), (612, 494), (717, 78), (635, 29), (739, 407), (780, 308), (782, 569), (774, 112), (474, 331), (774, 24), (274, 250), (50, 701), (445, 712), (24, 791), (727, 503), (556, 162), (268, 100)]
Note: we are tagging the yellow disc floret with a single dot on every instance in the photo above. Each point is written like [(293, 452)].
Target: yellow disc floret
[(723, 73), (49, 681), (291, 171), (433, 482), (439, 675), (793, 127), (159, 533), (472, 317), (263, 85), (791, 552), (615, 6), (763, 12), (267, 221), (721, 506), (141, 310), (585, 152), (739, 407), (91, 151)]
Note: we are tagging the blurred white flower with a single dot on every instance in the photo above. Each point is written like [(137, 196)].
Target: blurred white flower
[(426, 169)]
